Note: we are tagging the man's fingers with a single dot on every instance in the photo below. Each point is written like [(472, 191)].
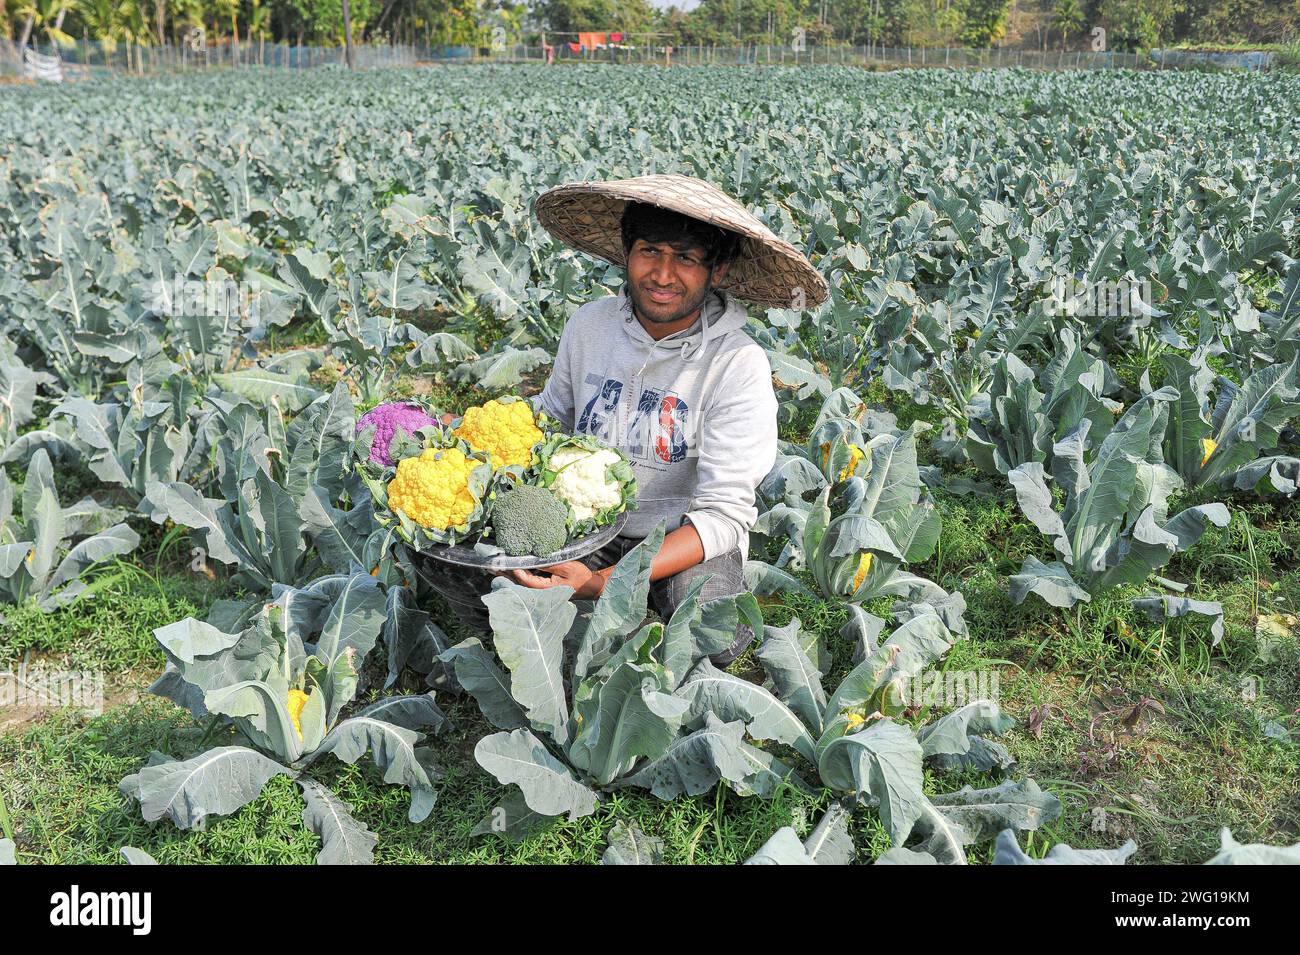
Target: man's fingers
[(529, 579)]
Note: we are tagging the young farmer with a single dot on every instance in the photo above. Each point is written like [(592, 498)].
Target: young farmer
[(665, 372)]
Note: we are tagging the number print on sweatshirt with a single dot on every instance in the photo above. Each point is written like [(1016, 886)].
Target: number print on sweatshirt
[(601, 410), (659, 429)]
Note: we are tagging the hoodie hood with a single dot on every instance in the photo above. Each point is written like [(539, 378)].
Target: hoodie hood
[(720, 314)]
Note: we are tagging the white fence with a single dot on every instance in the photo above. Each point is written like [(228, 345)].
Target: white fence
[(88, 58)]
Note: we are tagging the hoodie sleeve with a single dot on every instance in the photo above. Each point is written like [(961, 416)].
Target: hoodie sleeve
[(557, 397), (737, 448)]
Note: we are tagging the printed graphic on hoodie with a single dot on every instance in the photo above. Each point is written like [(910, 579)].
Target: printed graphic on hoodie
[(658, 431)]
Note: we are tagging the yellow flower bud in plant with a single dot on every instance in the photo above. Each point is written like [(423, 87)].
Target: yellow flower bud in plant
[(296, 701), (856, 454), (864, 568), (1208, 446)]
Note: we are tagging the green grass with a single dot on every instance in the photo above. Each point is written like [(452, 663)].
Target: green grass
[(60, 781)]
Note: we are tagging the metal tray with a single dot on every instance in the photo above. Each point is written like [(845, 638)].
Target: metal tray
[(464, 555)]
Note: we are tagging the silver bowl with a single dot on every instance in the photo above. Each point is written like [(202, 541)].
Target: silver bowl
[(463, 576)]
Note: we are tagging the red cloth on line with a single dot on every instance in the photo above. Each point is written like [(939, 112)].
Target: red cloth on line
[(591, 40), (616, 38), (575, 48)]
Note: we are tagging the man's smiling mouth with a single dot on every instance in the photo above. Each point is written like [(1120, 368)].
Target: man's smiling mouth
[(658, 295)]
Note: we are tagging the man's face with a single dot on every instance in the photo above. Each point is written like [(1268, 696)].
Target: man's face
[(668, 283)]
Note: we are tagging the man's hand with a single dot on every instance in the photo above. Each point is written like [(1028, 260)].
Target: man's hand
[(682, 548), (587, 584)]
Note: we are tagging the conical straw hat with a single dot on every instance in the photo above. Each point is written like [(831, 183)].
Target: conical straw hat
[(767, 270)]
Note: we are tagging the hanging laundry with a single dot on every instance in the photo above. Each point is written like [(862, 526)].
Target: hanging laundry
[(591, 40), (575, 48), (616, 38)]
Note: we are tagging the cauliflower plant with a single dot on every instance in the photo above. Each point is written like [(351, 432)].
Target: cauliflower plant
[(595, 481), (433, 489), (583, 480), (386, 419), (505, 430)]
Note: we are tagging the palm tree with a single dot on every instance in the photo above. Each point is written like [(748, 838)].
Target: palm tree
[(100, 19), (1068, 18), (259, 25), (46, 16), (133, 25), (231, 7)]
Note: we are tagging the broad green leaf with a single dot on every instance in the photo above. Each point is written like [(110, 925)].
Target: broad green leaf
[(883, 761), (394, 751), (354, 621), (512, 819), (288, 392), (784, 848), (1008, 852), (215, 783), (950, 735), (709, 690), (1232, 852), (628, 717), (344, 840), (528, 628), (695, 763), (114, 542), (1162, 607), (1052, 582), (978, 815), (190, 638), (796, 678), (628, 845), (548, 785), (830, 842), (418, 712), (621, 607), (487, 683)]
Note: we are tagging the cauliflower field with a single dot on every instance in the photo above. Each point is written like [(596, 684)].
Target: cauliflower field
[(1025, 571)]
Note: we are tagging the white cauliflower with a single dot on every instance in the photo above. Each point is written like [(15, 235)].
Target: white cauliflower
[(581, 480)]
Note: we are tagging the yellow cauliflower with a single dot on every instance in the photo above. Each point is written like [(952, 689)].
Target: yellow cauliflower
[(1208, 446), (433, 489), (855, 720), (505, 431), (856, 454), (864, 567), (296, 701)]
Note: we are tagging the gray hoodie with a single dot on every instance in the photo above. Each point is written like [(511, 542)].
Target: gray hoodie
[(694, 412)]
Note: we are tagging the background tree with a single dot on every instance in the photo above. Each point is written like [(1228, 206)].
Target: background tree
[(1135, 24), (983, 22), (1130, 24), (1069, 18)]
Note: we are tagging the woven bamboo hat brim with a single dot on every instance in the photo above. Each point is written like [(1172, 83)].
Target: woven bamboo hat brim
[(767, 270)]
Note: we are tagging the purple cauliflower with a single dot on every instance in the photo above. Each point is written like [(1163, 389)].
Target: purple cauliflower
[(386, 419)]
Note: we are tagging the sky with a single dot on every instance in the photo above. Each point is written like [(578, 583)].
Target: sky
[(679, 4)]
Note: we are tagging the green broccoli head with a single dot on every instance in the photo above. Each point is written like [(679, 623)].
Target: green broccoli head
[(530, 521)]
